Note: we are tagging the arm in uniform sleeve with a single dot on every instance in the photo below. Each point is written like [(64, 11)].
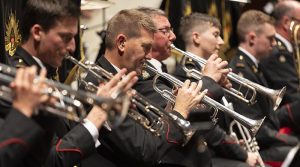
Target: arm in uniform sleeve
[(71, 148), (143, 146), (17, 134), (267, 137), (138, 144), (289, 115), (224, 145)]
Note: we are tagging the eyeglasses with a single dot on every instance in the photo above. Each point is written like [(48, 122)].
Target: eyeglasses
[(166, 31)]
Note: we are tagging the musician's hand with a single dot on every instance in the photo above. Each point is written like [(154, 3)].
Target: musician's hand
[(215, 68), (252, 159), (188, 96), (118, 83), (224, 82), (28, 95), (97, 116)]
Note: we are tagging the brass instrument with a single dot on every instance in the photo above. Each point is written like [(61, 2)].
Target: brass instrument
[(250, 143), (252, 87), (294, 27), (150, 117), (69, 102), (252, 125)]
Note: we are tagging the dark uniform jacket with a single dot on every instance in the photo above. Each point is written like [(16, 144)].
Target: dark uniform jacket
[(222, 144), (68, 146), (18, 134), (130, 144), (279, 70), (268, 136)]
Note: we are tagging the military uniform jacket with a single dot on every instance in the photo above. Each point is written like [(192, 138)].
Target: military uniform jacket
[(268, 135), (67, 146), (16, 139), (216, 137), (130, 144), (279, 70), (188, 155)]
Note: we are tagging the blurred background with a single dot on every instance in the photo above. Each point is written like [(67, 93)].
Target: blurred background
[(96, 13)]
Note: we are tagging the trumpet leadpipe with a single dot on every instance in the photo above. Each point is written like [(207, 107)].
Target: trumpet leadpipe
[(252, 125), (275, 95)]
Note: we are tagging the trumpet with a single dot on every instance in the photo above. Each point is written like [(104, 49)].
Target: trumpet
[(68, 101), (252, 125), (149, 116), (251, 87), (250, 144)]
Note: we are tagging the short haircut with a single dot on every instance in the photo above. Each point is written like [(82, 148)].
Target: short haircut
[(129, 22), (46, 13), (152, 12), (196, 22), (252, 20)]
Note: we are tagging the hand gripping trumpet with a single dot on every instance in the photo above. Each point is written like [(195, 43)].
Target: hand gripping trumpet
[(251, 87), (149, 116), (252, 125), (68, 102)]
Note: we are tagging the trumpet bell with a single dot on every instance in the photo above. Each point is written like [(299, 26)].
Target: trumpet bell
[(277, 97)]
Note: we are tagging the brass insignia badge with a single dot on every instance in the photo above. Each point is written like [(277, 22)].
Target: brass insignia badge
[(12, 35), (145, 74), (279, 43), (282, 59), (280, 46), (254, 69), (20, 63)]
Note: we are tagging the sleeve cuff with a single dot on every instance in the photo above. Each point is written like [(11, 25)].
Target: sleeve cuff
[(92, 130)]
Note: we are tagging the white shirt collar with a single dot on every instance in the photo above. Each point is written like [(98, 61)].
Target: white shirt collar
[(156, 64), (39, 62), (116, 68), (255, 61), (287, 44)]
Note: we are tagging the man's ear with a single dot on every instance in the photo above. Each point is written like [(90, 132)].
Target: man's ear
[(121, 41), (196, 37), (286, 21), (251, 37), (36, 32)]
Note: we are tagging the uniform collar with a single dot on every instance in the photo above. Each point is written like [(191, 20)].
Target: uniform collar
[(157, 64), (286, 43), (255, 61), (39, 62)]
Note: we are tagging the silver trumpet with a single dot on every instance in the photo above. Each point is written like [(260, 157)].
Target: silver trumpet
[(149, 116), (250, 143), (68, 101), (252, 125), (251, 87)]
